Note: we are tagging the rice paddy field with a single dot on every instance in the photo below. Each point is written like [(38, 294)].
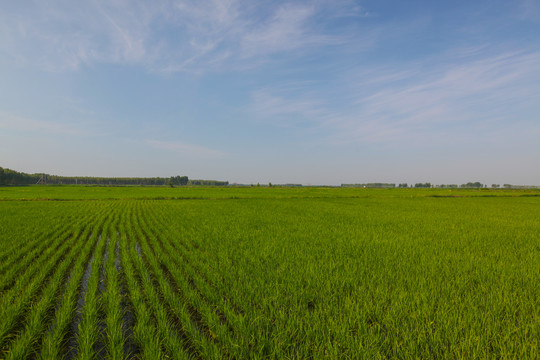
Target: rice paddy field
[(268, 273)]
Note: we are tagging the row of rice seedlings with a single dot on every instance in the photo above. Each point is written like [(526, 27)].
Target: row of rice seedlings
[(126, 305), (39, 248), (232, 288), (55, 341), (88, 328), (188, 315), (17, 256), (112, 299), (255, 320), (174, 341), (185, 244), (15, 301), (199, 305), (41, 311), (37, 227), (201, 275), (101, 342), (145, 334), (257, 325)]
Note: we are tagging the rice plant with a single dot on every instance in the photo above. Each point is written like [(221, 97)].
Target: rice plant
[(219, 273)]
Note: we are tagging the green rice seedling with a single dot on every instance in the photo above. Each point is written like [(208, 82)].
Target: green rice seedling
[(202, 272), (197, 273), (20, 237), (171, 339), (177, 290), (14, 302), (88, 329), (54, 343), (145, 334), (183, 312), (271, 273), (23, 261), (389, 253), (38, 317), (18, 257), (241, 323), (114, 338)]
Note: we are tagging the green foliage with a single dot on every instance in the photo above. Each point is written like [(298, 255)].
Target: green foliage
[(179, 180), (11, 177), (207, 183), (476, 185), (248, 272), (371, 185), (448, 186)]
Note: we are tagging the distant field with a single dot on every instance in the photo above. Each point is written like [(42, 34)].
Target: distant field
[(298, 273), (36, 192)]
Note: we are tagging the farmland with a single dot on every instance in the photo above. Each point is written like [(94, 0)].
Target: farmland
[(213, 273)]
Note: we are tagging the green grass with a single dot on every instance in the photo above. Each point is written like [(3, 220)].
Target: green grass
[(80, 192), (269, 273)]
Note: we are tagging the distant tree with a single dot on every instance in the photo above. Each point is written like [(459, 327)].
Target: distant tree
[(448, 186), (11, 177), (495, 186), (472, 185), (404, 185), (178, 180), (208, 182)]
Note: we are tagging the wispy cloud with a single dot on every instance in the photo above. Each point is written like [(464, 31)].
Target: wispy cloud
[(424, 102), (458, 92), (20, 123), (288, 29), (281, 109), (184, 148), (163, 35), (529, 10)]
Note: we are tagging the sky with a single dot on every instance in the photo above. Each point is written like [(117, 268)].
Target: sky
[(319, 92)]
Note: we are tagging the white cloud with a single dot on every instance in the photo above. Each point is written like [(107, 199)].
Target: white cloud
[(19, 123), (184, 148), (289, 28), (529, 10), (162, 35), (429, 102), (283, 110), (475, 89)]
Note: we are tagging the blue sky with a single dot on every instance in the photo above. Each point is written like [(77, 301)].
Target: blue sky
[(312, 92)]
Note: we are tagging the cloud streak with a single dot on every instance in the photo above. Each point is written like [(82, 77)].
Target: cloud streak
[(163, 35), (423, 102), (14, 122), (184, 148)]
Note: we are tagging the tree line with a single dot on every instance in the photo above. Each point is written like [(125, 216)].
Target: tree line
[(469, 185), (12, 177)]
